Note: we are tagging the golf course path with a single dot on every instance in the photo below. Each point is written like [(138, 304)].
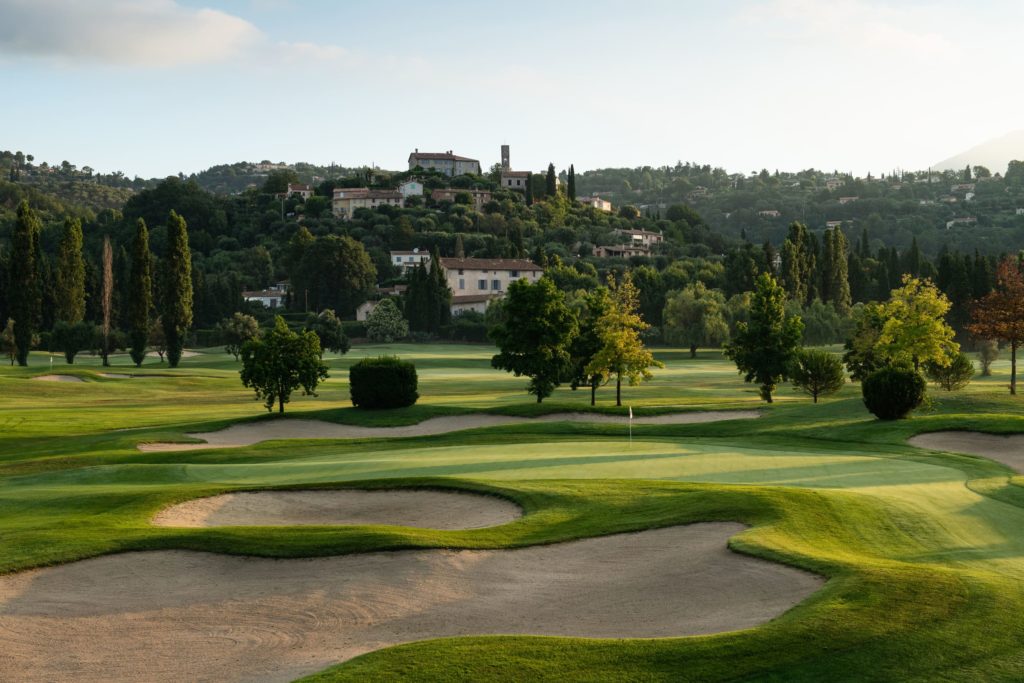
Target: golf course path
[(1007, 449), (419, 508), (188, 616), (250, 433)]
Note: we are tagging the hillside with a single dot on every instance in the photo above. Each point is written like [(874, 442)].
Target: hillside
[(995, 154)]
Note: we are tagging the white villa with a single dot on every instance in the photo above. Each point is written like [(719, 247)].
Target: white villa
[(409, 260)]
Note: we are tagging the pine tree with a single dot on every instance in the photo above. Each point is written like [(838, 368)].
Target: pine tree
[(571, 187), (176, 307), (551, 182), (140, 294), (70, 280), (24, 297)]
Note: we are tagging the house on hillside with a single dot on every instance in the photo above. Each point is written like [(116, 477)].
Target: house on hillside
[(848, 200), (304, 191), (407, 261), (509, 179), (769, 213), (966, 220), (487, 275), (478, 197), (834, 183), (443, 162), (272, 297), (411, 188), (621, 251), (347, 199), (472, 302), (596, 202)]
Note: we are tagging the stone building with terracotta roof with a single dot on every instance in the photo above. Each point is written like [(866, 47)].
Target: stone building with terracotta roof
[(444, 162)]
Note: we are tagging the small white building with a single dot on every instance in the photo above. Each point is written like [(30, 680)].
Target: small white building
[(347, 200), (271, 297), (407, 261), (769, 213), (304, 191), (641, 238), (411, 188), (472, 302), (596, 203)]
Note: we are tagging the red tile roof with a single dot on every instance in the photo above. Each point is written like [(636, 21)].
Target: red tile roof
[(450, 263)]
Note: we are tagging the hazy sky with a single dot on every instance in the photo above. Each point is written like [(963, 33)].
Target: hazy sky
[(153, 87)]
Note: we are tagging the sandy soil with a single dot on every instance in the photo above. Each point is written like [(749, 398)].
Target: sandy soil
[(116, 375), (1008, 450), (184, 354), (270, 430), (418, 508), (176, 616), (57, 378)]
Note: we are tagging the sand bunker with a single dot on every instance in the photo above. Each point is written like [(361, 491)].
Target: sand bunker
[(1008, 450), (58, 378), (116, 375), (271, 430), (418, 508), (176, 616)]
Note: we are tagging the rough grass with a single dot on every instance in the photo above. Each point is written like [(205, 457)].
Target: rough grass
[(924, 550)]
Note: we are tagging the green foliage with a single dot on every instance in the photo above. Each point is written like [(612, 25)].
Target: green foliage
[(8, 341), (764, 348), (176, 304), (70, 338), (24, 298), (237, 331), (385, 323), (590, 308), (798, 264), (140, 294), (988, 353), (861, 357), (621, 351), (550, 182), (331, 272), (428, 300), (534, 335), (70, 285), (817, 373), (915, 330), (280, 362), (278, 181), (695, 317), (328, 329), (953, 376), (384, 382), (891, 393)]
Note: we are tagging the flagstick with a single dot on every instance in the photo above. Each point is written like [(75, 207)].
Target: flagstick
[(631, 427)]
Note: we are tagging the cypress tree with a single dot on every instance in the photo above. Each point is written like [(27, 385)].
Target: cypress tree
[(442, 294), (529, 189), (839, 284), (24, 284), (176, 308), (70, 295), (107, 300), (460, 250), (572, 183), (551, 182), (865, 247), (140, 293)]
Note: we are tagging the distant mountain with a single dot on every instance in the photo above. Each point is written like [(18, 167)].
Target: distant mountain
[(995, 154)]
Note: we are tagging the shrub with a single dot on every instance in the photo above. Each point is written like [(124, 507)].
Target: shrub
[(954, 376), (385, 322), (817, 373), (892, 392), (384, 382), (988, 353)]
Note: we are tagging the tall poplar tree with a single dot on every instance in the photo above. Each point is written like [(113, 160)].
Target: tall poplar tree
[(176, 307), (70, 299), (107, 300), (140, 293), (24, 296)]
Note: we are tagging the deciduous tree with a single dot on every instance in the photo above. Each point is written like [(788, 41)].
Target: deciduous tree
[(328, 329), (695, 317), (280, 362), (385, 323), (237, 330), (622, 352), (915, 330), (534, 335), (1000, 313)]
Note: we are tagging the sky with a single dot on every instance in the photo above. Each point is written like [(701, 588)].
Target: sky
[(157, 87)]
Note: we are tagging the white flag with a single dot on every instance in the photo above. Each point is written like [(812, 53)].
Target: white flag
[(631, 412)]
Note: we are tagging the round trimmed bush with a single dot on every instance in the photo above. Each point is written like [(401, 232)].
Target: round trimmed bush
[(891, 393), (384, 382)]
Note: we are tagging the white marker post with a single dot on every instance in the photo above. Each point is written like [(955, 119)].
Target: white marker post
[(631, 426)]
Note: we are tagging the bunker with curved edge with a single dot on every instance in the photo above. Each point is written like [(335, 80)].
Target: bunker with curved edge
[(1007, 449), (178, 615), (424, 508), (250, 433)]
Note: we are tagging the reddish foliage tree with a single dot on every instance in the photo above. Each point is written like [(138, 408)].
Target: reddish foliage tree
[(1000, 313)]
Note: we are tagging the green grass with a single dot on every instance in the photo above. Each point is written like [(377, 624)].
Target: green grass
[(924, 550)]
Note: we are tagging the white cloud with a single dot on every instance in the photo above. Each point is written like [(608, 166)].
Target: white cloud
[(158, 33)]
